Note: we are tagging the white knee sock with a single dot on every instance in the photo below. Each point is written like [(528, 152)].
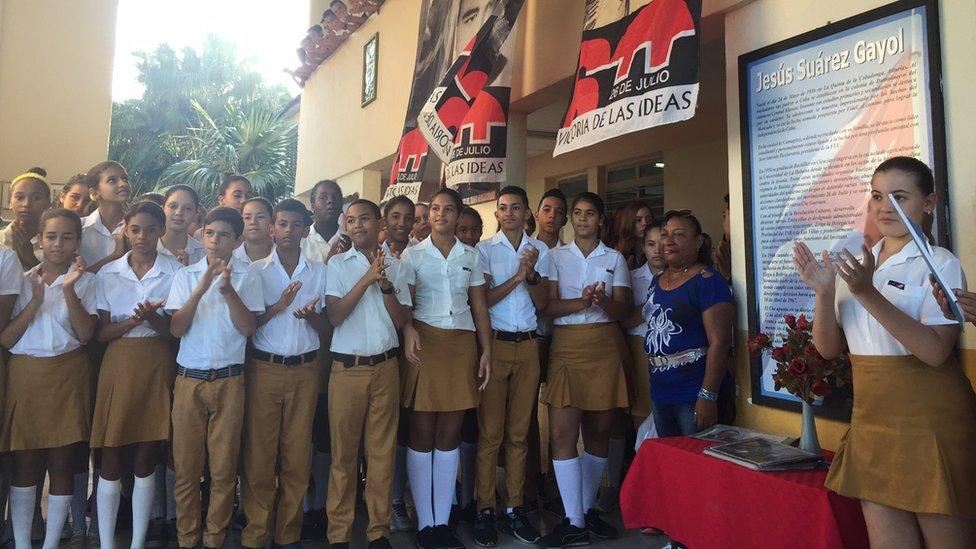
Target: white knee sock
[(444, 479), (593, 468), (143, 490), (22, 513), (569, 480), (158, 509), (320, 473), (469, 459), (615, 461), (399, 473), (79, 502), (170, 494), (57, 513), (419, 469), (107, 501)]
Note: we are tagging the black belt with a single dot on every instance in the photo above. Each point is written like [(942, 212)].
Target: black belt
[(358, 360), (294, 360), (233, 370), (517, 337)]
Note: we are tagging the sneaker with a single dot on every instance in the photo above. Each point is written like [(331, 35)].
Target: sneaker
[(380, 543), (518, 526), (484, 529), (156, 534), (428, 539), (313, 525), (598, 527), (78, 540), (399, 519), (565, 535), (447, 538)]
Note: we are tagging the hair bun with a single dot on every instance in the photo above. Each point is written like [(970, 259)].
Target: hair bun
[(39, 171)]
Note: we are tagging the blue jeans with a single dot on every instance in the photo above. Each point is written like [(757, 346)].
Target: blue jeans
[(674, 420)]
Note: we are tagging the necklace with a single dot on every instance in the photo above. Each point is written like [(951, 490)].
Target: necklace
[(671, 276)]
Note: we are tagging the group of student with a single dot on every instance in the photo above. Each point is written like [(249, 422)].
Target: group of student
[(288, 344), (339, 20)]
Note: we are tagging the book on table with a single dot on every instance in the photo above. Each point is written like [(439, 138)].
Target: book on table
[(732, 433), (760, 454)]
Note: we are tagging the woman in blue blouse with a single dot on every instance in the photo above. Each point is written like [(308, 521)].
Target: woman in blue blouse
[(688, 315)]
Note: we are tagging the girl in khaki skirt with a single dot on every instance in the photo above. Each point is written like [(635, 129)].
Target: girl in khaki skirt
[(132, 404), (589, 293), (910, 452), (48, 395), (444, 375)]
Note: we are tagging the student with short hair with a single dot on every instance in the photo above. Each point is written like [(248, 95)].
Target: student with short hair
[(367, 298), (327, 230), (398, 217), (282, 381), (102, 241), (213, 305), (514, 265), (135, 381), (180, 206), (442, 382), (30, 197), (47, 414), (258, 242)]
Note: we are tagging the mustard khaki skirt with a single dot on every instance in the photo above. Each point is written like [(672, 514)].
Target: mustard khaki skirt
[(48, 402), (912, 440), (586, 368), (447, 378), (638, 377), (134, 396)]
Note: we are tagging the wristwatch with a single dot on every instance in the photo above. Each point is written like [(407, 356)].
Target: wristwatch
[(391, 290), (533, 279)]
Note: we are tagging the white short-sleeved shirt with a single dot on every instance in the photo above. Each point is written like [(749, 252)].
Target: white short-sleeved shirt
[(240, 254), (317, 248), (50, 333), (368, 330), (284, 334), (120, 290), (194, 250), (389, 253), (903, 279), (7, 240), (441, 284), (213, 341), (573, 272), (640, 282), (11, 272), (500, 261), (97, 242)]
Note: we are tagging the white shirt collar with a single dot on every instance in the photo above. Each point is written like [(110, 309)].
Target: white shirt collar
[(428, 245), (95, 220), (644, 272), (36, 269), (599, 250), (273, 259), (121, 266), (909, 251), (500, 238), (201, 266)]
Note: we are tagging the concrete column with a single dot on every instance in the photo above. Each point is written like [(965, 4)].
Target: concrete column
[(516, 148)]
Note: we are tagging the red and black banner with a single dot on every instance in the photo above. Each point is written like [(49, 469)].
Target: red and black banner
[(635, 72)]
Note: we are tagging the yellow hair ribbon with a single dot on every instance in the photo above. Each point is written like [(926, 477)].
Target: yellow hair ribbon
[(31, 175)]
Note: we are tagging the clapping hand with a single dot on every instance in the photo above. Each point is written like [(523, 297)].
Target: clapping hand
[(146, 308), (226, 287), (599, 292), (820, 277), (308, 310), (588, 295), (288, 295), (37, 288), (74, 273), (377, 269), (859, 274)]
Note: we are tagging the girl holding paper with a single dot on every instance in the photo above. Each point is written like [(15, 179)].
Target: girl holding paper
[(910, 452)]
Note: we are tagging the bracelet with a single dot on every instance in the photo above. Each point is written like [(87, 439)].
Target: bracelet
[(391, 290), (705, 394), (534, 279)]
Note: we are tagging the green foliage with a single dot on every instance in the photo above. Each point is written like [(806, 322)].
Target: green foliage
[(201, 115)]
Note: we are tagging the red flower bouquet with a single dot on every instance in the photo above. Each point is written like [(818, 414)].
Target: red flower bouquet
[(799, 367)]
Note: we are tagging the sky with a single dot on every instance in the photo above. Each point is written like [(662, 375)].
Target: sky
[(268, 31)]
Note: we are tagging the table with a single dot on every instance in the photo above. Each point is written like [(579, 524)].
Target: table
[(703, 502)]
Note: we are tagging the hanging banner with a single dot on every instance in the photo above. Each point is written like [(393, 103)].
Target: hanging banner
[(634, 73), (465, 119)]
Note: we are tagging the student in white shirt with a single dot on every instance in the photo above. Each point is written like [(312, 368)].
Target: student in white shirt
[(398, 218), (910, 452), (180, 206), (421, 227), (11, 278), (444, 375), (282, 381), (514, 264), (30, 197), (213, 305), (48, 397), (132, 405), (327, 231), (588, 294), (367, 298), (102, 240), (233, 192), (258, 242)]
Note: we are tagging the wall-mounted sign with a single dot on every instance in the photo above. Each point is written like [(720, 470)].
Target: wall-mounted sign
[(371, 55)]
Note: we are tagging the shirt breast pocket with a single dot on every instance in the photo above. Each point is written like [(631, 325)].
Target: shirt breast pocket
[(907, 297), (460, 276)]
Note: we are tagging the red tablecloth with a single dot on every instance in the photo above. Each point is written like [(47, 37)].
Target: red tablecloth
[(703, 502)]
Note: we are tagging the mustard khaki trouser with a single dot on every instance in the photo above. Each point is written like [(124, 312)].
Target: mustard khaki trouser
[(362, 400)]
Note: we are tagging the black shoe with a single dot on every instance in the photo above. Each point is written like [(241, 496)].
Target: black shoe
[(156, 534), (469, 513), (313, 525), (380, 543), (172, 539), (565, 535), (447, 537), (485, 534), (598, 527), (340, 545), (428, 539), (518, 526)]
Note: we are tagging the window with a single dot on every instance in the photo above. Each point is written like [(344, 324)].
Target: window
[(643, 180)]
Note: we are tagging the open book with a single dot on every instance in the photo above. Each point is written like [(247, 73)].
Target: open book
[(923, 245), (760, 454), (730, 433)]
